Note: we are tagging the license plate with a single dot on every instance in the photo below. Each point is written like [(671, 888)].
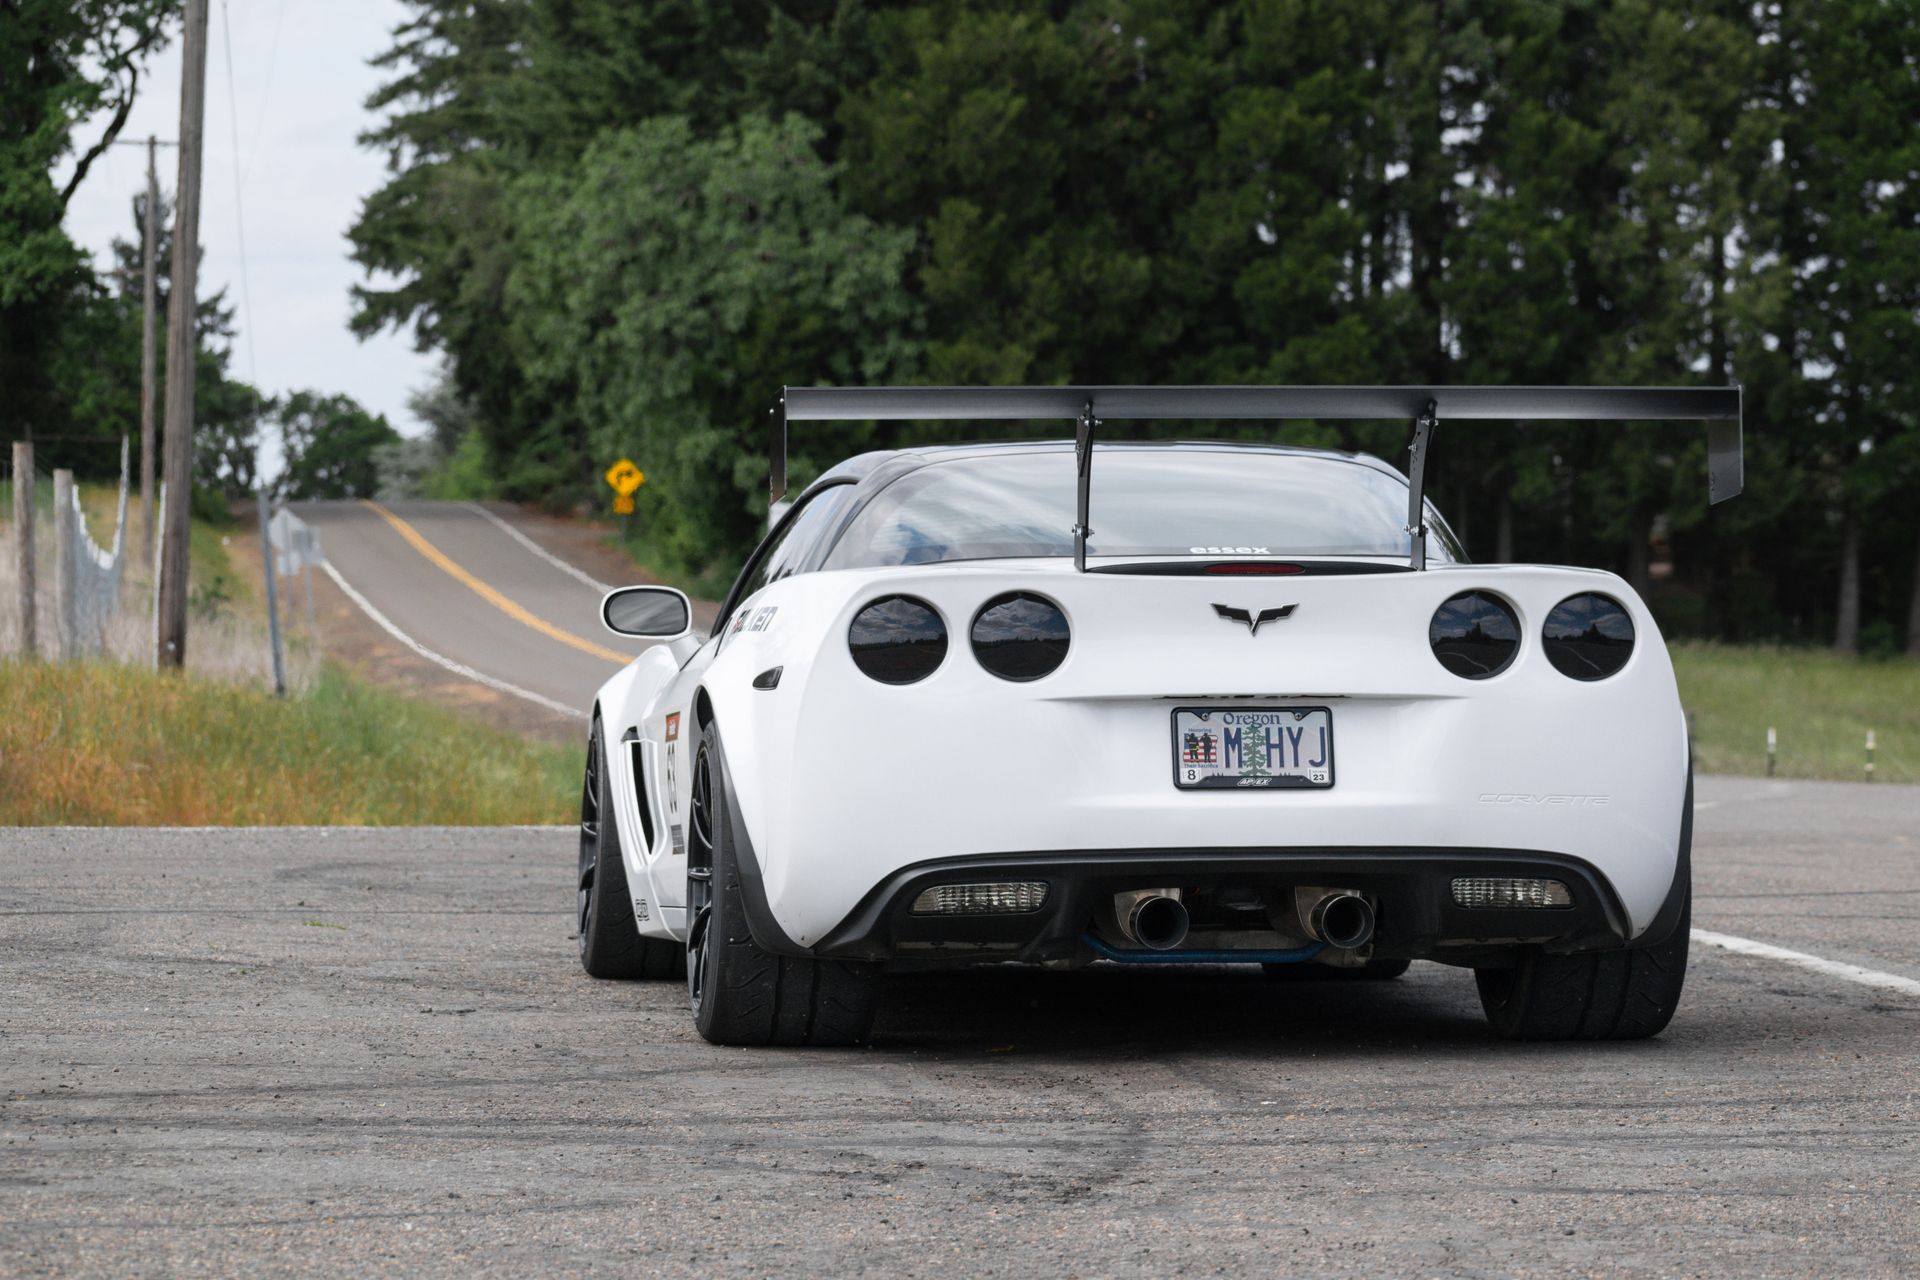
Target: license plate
[(1244, 748)]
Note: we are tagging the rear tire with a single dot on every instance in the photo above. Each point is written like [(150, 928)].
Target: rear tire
[(1607, 995), (610, 942), (1372, 971), (741, 993)]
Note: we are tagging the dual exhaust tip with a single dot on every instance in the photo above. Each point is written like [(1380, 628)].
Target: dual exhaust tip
[(1158, 921), (1341, 920)]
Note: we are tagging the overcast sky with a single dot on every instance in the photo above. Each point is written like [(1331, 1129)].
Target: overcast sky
[(300, 76)]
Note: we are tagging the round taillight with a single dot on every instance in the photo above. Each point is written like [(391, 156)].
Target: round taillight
[(1020, 636), (898, 640), (1474, 635), (1588, 636)]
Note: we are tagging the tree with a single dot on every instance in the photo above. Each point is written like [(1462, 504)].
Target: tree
[(60, 61), (331, 446), (1853, 252), (1547, 191), (660, 277)]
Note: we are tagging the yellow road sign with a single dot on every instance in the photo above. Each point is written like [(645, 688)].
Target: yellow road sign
[(623, 504), (625, 477)]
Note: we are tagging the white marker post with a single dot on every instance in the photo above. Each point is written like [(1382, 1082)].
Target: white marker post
[(1770, 747), (273, 599)]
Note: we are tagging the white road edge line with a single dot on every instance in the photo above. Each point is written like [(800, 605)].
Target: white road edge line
[(458, 668), (537, 549), (1832, 968)]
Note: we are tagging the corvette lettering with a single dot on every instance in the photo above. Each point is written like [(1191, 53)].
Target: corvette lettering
[(1228, 551), (1518, 798)]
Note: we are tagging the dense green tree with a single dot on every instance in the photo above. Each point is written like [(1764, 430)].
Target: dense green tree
[(594, 215), (331, 446), (664, 273), (61, 61)]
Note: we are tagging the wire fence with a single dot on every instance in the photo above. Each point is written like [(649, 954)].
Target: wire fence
[(92, 587), (94, 573)]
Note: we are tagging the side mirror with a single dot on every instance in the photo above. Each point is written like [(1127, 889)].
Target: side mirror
[(653, 613)]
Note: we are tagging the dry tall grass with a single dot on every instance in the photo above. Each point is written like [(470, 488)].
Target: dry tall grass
[(95, 744)]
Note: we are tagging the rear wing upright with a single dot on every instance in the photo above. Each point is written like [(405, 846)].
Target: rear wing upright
[(1424, 407)]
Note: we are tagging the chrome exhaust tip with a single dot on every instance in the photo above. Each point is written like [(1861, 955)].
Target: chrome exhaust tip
[(1158, 923), (1342, 920)]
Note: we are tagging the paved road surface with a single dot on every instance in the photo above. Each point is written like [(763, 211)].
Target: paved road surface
[(462, 586), (255, 1052)]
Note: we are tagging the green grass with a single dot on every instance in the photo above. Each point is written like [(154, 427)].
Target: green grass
[(96, 744), (1820, 703)]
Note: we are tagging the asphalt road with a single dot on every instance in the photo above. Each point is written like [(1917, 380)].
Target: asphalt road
[(468, 590), (260, 1052)]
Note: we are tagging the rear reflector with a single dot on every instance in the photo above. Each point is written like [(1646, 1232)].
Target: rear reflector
[(1501, 891), (1254, 569), (1007, 898)]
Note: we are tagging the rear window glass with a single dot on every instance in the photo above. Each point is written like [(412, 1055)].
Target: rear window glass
[(1145, 502)]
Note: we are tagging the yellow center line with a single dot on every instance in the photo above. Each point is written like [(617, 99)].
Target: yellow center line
[(487, 593)]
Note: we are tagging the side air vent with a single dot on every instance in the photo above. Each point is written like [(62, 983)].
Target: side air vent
[(641, 789)]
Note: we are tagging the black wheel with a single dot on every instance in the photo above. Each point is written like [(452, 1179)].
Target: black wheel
[(741, 993), (1373, 970), (1607, 995), (610, 941)]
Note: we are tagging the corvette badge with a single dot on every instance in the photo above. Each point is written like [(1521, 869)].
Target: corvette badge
[(1253, 620)]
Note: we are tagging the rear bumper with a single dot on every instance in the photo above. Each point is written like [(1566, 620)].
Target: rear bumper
[(1418, 917)]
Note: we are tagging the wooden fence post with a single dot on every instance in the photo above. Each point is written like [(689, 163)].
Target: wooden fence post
[(66, 625), (23, 541)]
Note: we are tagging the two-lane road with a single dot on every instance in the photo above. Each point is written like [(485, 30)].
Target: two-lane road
[(473, 591)]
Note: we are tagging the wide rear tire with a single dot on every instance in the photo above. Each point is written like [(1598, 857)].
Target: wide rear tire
[(741, 993), (611, 945), (1606, 995)]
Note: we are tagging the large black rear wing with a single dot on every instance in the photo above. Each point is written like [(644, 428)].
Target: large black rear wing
[(1424, 407)]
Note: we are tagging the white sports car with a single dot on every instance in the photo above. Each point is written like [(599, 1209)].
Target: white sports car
[(1251, 705)]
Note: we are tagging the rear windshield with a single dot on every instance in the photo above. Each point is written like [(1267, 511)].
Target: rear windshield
[(1146, 502)]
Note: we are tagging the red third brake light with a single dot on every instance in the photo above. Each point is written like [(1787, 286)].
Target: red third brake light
[(1254, 568)]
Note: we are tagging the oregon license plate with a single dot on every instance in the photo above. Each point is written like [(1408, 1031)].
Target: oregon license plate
[(1252, 747)]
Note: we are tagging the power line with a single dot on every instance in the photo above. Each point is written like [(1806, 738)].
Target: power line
[(266, 94), (239, 218)]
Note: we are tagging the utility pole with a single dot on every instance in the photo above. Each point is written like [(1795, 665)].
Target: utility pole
[(181, 338), (148, 294), (149, 321)]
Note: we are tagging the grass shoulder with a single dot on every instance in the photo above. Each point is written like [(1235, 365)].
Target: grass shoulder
[(98, 744), (1819, 703)]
